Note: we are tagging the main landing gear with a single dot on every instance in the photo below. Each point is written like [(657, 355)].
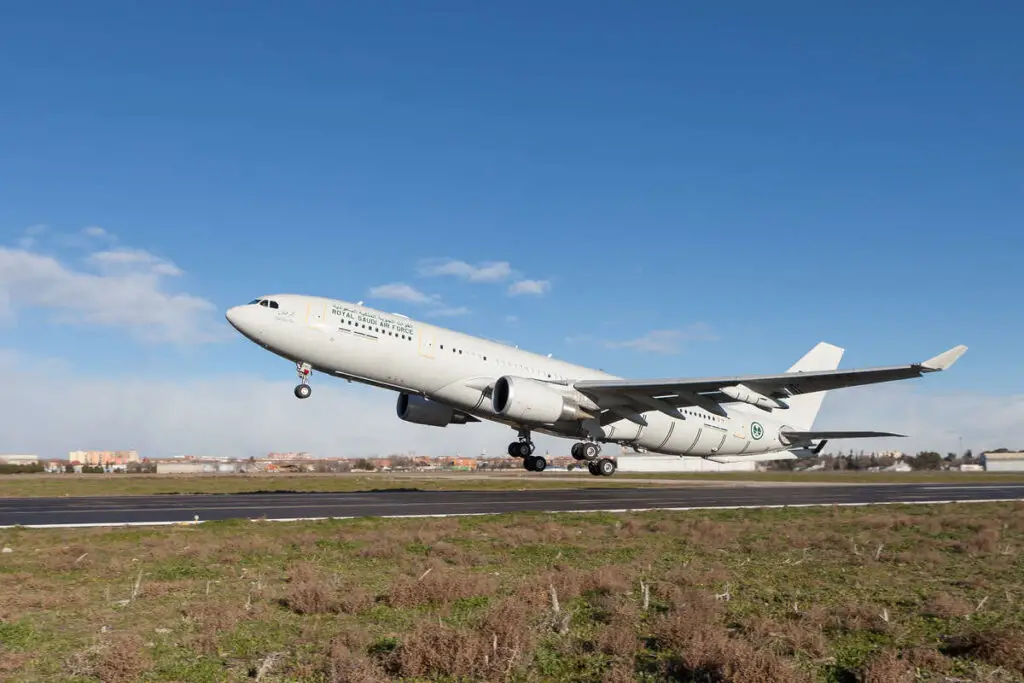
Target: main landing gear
[(523, 448), (303, 390), (602, 467), (589, 451)]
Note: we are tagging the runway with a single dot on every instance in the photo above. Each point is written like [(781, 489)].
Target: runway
[(170, 509)]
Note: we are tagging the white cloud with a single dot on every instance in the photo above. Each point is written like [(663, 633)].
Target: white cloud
[(399, 291), (120, 260), (656, 341), (55, 409), (126, 292), (665, 341), (449, 311), (533, 287), (931, 421), (435, 307), (97, 232), (30, 235), (488, 271)]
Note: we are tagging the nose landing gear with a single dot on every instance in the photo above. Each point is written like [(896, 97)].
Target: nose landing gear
[(303, 390)]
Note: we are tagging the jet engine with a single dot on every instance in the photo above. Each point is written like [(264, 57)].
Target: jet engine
[(423, 411), (530, 401)]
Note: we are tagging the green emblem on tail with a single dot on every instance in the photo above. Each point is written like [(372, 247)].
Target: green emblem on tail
[(756, 430)]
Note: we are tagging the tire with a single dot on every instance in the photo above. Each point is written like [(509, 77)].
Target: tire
[(606, 467)]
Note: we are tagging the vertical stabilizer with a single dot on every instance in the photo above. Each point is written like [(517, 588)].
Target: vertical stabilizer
[(803, 409)]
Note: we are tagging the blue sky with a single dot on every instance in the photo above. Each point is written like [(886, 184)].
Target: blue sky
[(773, 175)]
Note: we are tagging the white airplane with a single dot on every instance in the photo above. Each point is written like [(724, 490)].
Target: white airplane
[(445, 377)]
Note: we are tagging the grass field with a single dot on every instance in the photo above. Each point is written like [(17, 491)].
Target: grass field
[(55, 485), (822, 594)]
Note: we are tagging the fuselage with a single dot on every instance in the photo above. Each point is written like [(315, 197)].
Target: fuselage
[(392, 351)]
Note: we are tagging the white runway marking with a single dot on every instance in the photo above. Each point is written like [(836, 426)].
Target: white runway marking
[(550, 512)]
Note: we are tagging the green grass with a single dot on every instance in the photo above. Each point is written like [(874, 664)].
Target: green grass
[(57, 485), (813, 594)]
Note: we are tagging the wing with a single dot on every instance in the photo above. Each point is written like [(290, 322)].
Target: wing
[(627, 397)]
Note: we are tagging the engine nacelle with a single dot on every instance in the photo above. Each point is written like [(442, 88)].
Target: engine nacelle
[(529, 401), (423, 411)]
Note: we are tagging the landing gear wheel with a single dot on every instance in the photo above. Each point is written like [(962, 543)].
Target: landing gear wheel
[(586, 450), (513, 449), (303, 390), (592, 467), (605, 467), (534, 463)]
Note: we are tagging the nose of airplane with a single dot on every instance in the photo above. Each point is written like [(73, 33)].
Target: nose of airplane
[(244, 319), (233, 316)]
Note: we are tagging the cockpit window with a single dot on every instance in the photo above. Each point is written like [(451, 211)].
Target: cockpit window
[(273, 304), (254, 301), (264, 303)]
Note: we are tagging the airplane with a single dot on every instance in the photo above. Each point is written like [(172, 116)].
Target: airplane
[(444, 377)]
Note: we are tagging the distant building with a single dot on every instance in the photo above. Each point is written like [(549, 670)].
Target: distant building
[(1003, 462), (295, 455), (104, 458), (463, 463), (19, 459), (185, 467)]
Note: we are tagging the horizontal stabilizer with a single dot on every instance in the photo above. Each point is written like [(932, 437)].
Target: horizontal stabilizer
[(793, 435)]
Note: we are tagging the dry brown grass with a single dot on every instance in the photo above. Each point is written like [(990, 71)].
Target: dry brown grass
[(1003, 647), (888, 666), (487, 650), (438, 586), (793, 595), (945, 606), (118, 659), (348, 663), (312, 590)]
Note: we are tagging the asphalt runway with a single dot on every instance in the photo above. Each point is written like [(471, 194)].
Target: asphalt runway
[(164, 509)]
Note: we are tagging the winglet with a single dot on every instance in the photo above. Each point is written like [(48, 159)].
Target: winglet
[(944, 359)]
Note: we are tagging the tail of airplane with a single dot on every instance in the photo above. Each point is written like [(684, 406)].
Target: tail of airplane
[(803, 408)]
